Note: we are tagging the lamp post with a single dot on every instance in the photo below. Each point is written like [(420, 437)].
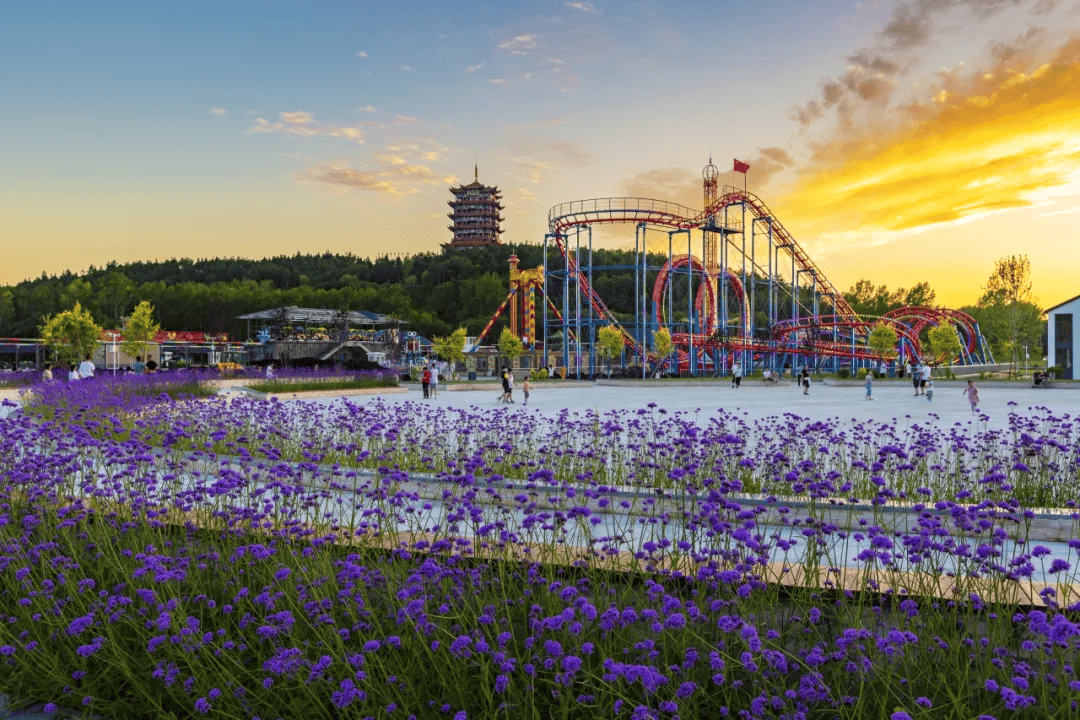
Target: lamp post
[(112, 350)]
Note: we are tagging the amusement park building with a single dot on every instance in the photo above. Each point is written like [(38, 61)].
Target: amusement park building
[(1063, 336), (475, 214)]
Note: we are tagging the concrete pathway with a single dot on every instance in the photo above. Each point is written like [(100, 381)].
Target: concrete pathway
[(892, 400)]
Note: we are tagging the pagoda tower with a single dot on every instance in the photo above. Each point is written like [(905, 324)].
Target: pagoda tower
[(475, 213)]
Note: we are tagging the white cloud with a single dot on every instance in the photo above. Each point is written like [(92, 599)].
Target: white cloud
[(406, 68), (519, 44), (474, 68), (361, 54), (303, 124), (218, 111), (582, 6), (366, 108), (1060, 212)]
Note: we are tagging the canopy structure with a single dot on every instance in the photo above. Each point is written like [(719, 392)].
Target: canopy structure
[(323, 334)]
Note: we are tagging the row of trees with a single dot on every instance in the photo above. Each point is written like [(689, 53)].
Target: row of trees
[(72, 335)]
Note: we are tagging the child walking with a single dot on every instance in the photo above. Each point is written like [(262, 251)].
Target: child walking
[(930, 390), (525, 387), (973, 396), (869, 384)]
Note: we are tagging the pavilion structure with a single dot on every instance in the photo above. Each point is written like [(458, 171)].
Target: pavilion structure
[(475, 214)]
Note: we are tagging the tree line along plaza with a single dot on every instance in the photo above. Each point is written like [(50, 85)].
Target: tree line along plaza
[(711, 288)]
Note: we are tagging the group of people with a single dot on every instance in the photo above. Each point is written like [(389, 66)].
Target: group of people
[(86, 369), (920, 377), (429, 380), (508, 387)]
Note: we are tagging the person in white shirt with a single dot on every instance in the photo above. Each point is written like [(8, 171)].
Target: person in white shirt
[(883, 369), (86, 368), (924, 378), (73, 373), (435, 380), (736, 374)]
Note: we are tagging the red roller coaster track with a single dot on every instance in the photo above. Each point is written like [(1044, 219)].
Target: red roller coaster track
[(795, 336)]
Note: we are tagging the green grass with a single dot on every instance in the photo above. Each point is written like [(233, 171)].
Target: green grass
[(279, 386)]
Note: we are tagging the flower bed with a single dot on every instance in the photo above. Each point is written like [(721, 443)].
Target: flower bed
[(143, 574)]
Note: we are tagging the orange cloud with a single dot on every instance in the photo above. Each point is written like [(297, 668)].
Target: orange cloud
[(973, 145)]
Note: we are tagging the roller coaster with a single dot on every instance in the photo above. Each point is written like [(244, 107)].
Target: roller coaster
[(752, 294)]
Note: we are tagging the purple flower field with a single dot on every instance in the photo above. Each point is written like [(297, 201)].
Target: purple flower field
[(165, 551)]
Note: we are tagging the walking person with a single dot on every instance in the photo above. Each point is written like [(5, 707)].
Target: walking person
[(525, 387), (883, 369), (916, 375), (972, 393), (505, 397), (930, 390), (736, 374), (425, 381), (510, 386), (805, 380), (869, 384), (925, 378), (435, 380)]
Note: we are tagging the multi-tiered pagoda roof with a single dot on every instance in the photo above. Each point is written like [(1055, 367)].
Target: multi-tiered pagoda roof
[(475, 214)]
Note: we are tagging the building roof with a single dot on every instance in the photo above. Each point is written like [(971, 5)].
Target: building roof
[(1070, 300), (293, 314)]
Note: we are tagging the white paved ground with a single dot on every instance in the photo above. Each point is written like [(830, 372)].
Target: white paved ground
[(891, 400)]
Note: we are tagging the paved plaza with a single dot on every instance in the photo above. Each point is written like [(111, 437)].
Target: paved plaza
[(892, 399)]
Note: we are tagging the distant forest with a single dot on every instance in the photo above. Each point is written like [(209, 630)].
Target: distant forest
[(433, 293)]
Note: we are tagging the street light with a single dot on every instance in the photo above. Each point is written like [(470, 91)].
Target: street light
[(112, 350)]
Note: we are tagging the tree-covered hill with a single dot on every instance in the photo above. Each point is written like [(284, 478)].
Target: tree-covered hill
[(434, 293)]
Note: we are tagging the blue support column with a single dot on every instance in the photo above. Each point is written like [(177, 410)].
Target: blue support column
[(592, 320), (691, 360), (577, 302), (566, 312)]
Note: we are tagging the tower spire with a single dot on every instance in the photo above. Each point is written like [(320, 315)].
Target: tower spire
[(476, 172)]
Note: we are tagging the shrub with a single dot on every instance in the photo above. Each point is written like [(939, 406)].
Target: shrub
[(843, 373), (862, 373)]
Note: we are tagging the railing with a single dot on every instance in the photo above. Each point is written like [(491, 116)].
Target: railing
[(626, 209)]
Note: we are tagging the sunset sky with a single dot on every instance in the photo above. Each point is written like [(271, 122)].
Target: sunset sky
[(897, 141)]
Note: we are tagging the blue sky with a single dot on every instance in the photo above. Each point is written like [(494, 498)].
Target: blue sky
[(145, 130)]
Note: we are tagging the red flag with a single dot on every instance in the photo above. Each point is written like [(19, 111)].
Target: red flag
[(740, 166)]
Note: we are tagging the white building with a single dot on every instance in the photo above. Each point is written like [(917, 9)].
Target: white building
[(1063, 337)]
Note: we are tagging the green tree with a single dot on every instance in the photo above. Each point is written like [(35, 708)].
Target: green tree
[(1010, 301), (609, 344), (452, 347), (920, 295), (116, 290), (78, 292), (71, 334), (139, 330), (662, 344), (510, 345), (943, 344), (882, 340), (7, 308)]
